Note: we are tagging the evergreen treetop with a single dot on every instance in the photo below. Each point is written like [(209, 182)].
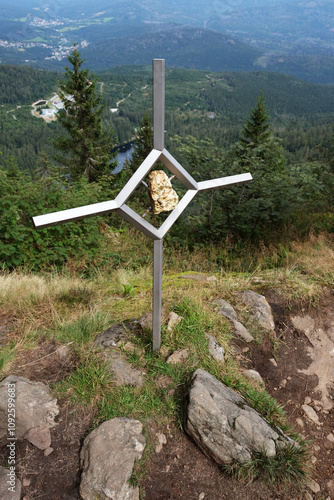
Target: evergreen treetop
[(257, 127), (85, 149)]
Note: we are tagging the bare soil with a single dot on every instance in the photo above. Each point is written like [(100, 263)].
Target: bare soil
[(180, 470)]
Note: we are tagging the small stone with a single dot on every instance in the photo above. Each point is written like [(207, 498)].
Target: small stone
[(313, 486), (225, 309), (260, 308), (300, 422), (307, 400), (273, 362), (215, 349), (173, 320), (48, 451), (132, 348), (242, 331), (313, 459), (26, 482), (161, 441), (283, 383), (328, 445), (165, 351), (124, 373), (308, 496), (316, 448), (63, 351), (201, 496), (162, 381), (115, 335), (311, 414), (253, 374), (40, 437), (178, 356), (330, 437), (145, 321), (330, 487)]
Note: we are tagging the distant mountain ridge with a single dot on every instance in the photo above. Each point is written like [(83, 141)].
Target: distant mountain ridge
[(182, 47), (288, 36)]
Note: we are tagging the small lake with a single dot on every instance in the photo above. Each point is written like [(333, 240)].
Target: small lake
[(124, 153)]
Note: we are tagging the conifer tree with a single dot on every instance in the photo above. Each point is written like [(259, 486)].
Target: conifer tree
[(85, 149), (257, 127)]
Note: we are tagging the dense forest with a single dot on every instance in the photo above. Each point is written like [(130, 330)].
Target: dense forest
[(275, 126)]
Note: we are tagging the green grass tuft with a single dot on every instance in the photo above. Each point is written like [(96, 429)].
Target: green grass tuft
[(290, 464)]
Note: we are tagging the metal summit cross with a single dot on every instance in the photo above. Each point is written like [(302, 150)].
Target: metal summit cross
[(158, 153)]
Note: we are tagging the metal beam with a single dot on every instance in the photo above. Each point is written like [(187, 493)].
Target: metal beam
[(159, 104), (157, 293), (73, 214), (145, 227), (180, 207), (224, 182)]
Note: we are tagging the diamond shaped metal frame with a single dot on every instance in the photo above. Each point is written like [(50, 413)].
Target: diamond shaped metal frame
[(158, 153)]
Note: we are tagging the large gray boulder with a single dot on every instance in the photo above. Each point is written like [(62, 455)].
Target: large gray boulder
[(223, 425), (34, 405), (107, 459)]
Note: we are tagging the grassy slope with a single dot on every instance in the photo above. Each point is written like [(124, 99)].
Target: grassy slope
[(68, 308)]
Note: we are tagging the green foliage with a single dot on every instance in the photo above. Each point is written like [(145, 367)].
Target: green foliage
[(86, 147), (289, 465), (246, 211), (21, 199)]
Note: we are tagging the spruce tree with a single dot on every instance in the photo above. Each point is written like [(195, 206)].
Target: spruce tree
[(85, 149), (257, 127)]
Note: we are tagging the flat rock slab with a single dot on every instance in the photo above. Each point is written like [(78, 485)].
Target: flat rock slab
[(34, 405), (321, 352), (116, 334), (223, 425), (107, 459), (124, 373), (178, 356), (260, 308), (215, 349), (225, 309), (40, 437), (199, 277), (10, 485)]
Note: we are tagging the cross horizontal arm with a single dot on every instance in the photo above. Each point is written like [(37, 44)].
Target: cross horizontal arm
[(73, 214), (224, 182)]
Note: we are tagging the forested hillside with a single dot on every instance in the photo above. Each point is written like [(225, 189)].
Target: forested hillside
[(198, 103)]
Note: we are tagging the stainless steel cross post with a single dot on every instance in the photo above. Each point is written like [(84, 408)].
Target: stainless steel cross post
[(159, 144)]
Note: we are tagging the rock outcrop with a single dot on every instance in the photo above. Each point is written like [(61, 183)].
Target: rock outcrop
[(34, 405), (107, 459), (224, 426), (260, 308)]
